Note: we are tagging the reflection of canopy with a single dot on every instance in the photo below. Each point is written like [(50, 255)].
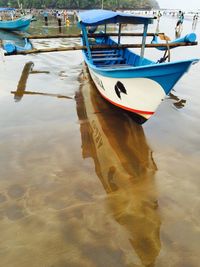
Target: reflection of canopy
[(6, 9), (99, 16)]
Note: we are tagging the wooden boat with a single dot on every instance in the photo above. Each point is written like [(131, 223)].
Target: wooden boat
[(13, 42), (12, 48), (18, 24), (127, 80)]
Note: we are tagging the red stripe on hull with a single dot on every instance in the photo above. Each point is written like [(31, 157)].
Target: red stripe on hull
[(126, 108)]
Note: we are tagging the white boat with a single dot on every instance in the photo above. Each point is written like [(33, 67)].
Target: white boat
[(125, 79)]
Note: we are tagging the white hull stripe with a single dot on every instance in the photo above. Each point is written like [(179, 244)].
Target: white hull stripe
[(138, 95)]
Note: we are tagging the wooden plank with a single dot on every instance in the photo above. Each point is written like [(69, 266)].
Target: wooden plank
[(105, 55), (108, 59), (94, 35), (98, 47), (103, 51), (114, 66)]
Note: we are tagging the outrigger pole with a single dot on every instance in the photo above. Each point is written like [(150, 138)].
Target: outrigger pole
[(93, 35), (93, 47)]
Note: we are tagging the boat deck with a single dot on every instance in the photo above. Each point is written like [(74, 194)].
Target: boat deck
[(116, 58), (117, 66), (109, 59)]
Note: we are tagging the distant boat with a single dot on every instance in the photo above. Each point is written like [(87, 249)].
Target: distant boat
[(125, 79), (12, 24), (12, 42), (11, 47)]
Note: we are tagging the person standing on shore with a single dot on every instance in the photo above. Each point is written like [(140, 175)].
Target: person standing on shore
[(159, 15), (179, 24), (195, 20), (66, 18), (59, 18), (45, 15), (65, 15), (75, 16)]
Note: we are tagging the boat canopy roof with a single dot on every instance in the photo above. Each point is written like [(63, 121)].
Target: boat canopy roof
[(100, 16), (6, 9)]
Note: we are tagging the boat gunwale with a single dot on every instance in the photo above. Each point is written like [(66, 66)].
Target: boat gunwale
[(153, 65)]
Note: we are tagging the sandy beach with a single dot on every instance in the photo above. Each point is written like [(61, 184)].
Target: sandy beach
[(81, 184)]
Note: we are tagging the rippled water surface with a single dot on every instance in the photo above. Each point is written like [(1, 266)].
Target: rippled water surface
[(81, 184)]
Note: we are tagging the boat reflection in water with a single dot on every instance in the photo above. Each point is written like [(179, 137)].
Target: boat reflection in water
[(21, 87), (124, 164)]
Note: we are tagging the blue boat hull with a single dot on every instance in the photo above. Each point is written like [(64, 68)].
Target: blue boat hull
[(166, 74), (12, 47), (21, 24), (133, 83)]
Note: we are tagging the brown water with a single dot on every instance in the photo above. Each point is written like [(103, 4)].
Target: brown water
[(81, 184)]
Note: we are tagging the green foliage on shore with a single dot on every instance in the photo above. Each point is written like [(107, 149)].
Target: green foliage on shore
[(82, 4)]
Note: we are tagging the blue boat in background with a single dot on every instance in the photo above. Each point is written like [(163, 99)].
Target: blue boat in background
[(14, 24), (127, 80), (12, 48), (12, 42)]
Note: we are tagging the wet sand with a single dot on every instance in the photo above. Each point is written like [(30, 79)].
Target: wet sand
[(81, 184)]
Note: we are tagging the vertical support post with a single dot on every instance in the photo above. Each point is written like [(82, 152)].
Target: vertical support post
[(144, 40), (86, 42), (119, 33), (105, 28)]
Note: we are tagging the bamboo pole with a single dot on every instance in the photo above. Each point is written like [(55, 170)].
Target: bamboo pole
[(46, 36), (93, 47)]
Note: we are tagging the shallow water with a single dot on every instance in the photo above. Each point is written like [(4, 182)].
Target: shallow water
[(81, 184)]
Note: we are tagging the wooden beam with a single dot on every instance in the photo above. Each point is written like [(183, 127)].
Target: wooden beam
[(93, 47), (47, 36)]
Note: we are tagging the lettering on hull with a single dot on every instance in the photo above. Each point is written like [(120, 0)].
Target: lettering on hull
[(98, 81)]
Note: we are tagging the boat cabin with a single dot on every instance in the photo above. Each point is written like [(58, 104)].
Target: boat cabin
[(90, 20)]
